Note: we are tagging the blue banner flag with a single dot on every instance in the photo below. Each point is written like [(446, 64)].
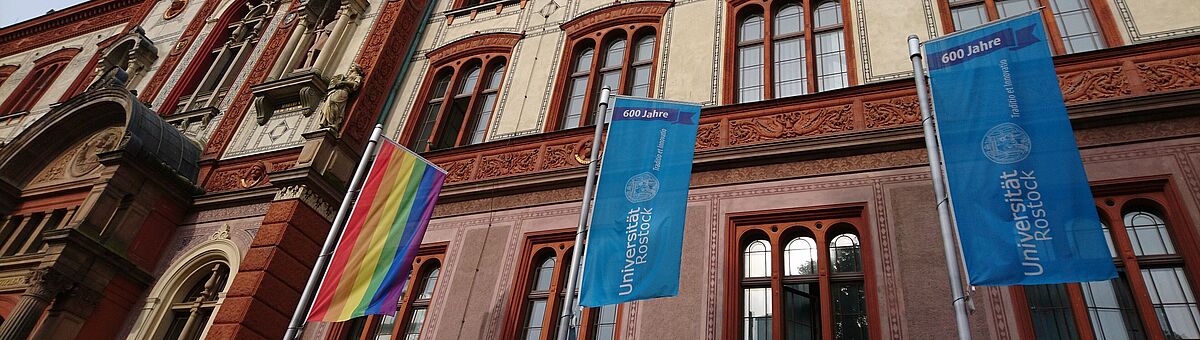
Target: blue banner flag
[(1024, 210), (636, 233)]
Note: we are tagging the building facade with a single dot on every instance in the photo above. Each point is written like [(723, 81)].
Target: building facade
[(170, 168)]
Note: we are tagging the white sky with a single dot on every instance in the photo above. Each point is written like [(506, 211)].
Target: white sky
[(14, 11)]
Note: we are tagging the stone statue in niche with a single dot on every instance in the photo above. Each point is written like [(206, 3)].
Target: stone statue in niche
[(341, 87)]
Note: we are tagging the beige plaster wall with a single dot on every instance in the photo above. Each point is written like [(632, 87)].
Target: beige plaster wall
[(1145, 20)]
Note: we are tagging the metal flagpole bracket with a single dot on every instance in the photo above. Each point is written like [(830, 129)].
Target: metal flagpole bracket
[(331, 240), (568, 310), (949, 246)]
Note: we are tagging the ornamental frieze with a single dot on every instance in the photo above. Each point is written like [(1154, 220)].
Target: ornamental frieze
[(891, 112), (1171, 74), (1094, 84), (790, 125)]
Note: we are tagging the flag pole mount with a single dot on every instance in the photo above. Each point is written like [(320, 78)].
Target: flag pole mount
[(939, 189), (568, 311), (335, 232)]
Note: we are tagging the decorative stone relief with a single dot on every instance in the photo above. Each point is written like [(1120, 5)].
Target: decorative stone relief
[(254, 175), (306, 195), (341, 87), (891, 112), (508, 163), (1171, 74), (80, 160), (174, 9), (459, 171), (222, 233), (790, 125), (1093, 84), (708, 136)]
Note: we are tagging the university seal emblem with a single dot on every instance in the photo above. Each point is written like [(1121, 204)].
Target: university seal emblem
[(641, 187), (1006, 143)]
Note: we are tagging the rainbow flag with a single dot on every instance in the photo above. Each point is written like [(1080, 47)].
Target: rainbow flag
[(375, 254)]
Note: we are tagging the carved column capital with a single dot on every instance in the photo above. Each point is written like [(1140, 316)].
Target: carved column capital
[(46, 283)]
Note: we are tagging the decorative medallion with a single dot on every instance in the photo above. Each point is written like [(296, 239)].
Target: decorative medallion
[(174, 9), (254, 175), (85, 160)]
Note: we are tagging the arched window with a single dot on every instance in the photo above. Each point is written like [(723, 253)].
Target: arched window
[(206, 82), (461, 93), (602, 52), (408, 323), (35, 84), (190, 312), (540, 288), (623, 69), (800, 39), (820, 282), (1153, 295), (1076, 20)]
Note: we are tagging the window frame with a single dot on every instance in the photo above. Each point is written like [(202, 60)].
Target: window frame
[(1107, 27), (1113, 199), (193, 77), (829, 221), (536, 248), (38, 81), (630, 21), (486, 50), (767, 9), (427, 257)]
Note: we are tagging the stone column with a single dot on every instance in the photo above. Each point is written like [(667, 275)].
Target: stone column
[(332, 43), (306, 39), (285, 57), (44, 285)]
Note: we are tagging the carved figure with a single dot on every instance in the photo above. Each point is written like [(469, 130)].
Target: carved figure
[(332, 108)]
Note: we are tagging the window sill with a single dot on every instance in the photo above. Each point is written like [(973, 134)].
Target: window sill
[(472, 10)]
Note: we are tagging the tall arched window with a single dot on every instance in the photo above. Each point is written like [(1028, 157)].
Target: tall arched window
[(779, 44), (191, 312), (460, 105), (539, 291), (800, 280), (1078, 27), (35, 84), (461, 93), (604, 52), (1154, 294), (206, 82), (408, 323)]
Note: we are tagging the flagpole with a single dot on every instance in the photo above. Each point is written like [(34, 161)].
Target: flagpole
[(568, 311), (949, 246), (335, 232)]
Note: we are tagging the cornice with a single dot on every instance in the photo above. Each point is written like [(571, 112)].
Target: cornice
[(69, 22)]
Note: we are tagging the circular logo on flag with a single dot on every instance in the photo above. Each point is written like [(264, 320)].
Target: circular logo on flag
[(1006, 143), (641, 187)]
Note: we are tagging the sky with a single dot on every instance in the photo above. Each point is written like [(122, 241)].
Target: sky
[(14, 11)]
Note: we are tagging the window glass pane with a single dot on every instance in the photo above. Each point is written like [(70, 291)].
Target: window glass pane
[(606, 323), (483, 114), (844, 254), (439, 87), (968, 16), (383, 331), (415, 323), (800, 256), (802, 311), (788, 20), (790, 77), (751, 29), (831, 61), (428, 283), (1111, 310), (451, 124), (756, 317), (426, 128), (828, 13), (543, 275), (537, 312), (467, 85), (495, 77), (1108, 239), (757, 259), (1174, 302), (1009, 8), (578, 93), (849, 311), (614, 54), (1077, 25), (645, 49), (1050, 311), (1148, 234), (750, 73), (640, 86), (584, 61)]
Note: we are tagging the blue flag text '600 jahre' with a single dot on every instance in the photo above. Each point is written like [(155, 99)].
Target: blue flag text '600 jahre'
[(636, 234), (1024, 210)]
